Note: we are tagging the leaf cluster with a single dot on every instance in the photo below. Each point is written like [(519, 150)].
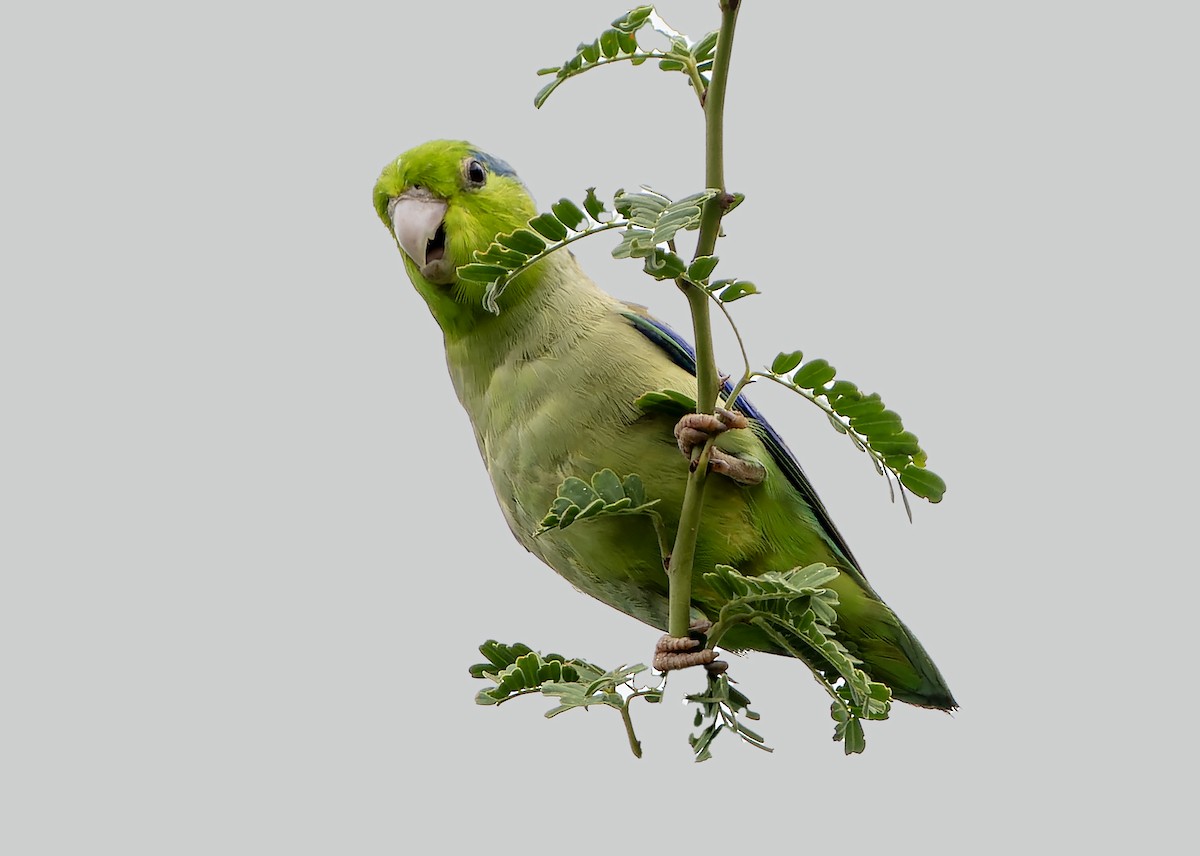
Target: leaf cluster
[(866, 420), (650, 222), (519, 670), (799, 614), (724, 709), (516, 670), (654, 221), (619, 43), (608, 494), (723, 290), (514, 252)]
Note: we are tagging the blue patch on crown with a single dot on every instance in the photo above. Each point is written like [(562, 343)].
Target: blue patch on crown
[(499, 167), (495, 165)]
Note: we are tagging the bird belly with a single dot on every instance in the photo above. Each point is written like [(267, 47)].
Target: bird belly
[(616, 559), (570, 412)]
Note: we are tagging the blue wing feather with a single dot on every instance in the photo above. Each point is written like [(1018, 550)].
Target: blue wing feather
[(680, 351)]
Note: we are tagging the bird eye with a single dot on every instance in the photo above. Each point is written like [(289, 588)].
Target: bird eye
[(476, 174)]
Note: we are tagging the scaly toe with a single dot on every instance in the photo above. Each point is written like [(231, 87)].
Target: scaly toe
[(680, 652), (694, 429), (669, 662), (741, 470), (732, 418)]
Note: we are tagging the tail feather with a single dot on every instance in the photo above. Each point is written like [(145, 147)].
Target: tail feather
[(895, 657)]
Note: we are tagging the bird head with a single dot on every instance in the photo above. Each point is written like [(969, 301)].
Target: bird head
[(443, 201)]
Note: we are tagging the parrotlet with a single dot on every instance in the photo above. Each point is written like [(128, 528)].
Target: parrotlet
[(549, 383)]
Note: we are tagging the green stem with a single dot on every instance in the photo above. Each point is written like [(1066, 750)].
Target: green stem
[(635, 745), (748, 373), (664, 538), (714, 131), (731, 401), (683, 555), (707, 384), (693, 73)]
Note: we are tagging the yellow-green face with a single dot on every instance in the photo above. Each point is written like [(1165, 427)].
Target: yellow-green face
[(443, 201)]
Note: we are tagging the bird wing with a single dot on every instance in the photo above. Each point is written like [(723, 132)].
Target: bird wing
[(680, 352)]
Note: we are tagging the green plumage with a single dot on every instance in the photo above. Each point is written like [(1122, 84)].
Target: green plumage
[(550, 383)]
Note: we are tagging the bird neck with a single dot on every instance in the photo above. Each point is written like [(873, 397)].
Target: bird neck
[(559, 306)]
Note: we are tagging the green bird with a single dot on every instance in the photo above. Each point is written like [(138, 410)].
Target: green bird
[(549, 384)]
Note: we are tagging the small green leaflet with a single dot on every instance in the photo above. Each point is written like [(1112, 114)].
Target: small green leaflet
[(668, 402), (701, 268), (786, 361), (729, 290)]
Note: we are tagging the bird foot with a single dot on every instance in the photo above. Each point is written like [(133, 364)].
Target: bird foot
[(694, 429), (680, 652)]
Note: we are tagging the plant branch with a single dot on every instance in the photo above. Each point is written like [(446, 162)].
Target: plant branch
[(748, 372), (635, 745), (664, 537), (707, 383), (693, 74)]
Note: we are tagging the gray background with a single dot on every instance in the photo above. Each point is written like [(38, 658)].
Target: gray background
[(248, 547)]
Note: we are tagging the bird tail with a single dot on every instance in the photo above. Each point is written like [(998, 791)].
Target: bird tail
[(892, 654)]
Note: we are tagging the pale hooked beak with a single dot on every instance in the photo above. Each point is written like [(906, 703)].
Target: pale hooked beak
[(417, 221)]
